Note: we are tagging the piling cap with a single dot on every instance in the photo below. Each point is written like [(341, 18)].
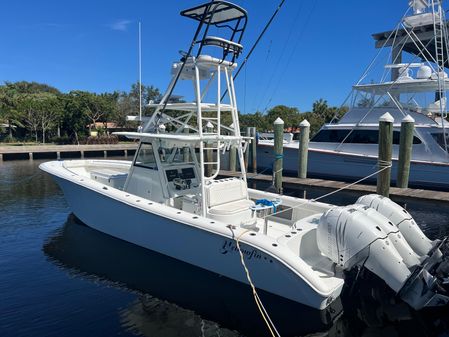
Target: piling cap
[(408, 119), (386, 117), (278, 121), (304, 123)]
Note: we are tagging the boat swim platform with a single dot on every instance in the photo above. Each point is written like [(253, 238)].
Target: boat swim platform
[(399, 194), (13, 152)]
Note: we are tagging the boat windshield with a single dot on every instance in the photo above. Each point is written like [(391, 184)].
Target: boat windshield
[(173, 155), (145, 157)]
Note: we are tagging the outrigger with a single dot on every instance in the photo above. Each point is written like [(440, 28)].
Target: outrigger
[(170, 198)]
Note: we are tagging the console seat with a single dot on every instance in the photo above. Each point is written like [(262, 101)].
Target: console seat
[(227, 201)]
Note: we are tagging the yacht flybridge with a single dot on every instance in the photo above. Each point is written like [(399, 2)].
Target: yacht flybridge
[(413, 82), (170, 199)]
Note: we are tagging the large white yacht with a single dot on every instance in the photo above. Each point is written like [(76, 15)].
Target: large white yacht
[(413, 83), (168, 198)]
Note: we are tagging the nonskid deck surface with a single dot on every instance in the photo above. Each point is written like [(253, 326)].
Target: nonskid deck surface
[(107, 167)]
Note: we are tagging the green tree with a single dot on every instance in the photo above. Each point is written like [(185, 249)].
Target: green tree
[(8, 109), (128, 102), (40, 111), (74, 121), (256, 119), (50, 113), (28, 104), (89, 108), (24, 87), (289, 115)]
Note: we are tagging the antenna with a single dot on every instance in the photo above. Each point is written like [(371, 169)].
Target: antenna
[(140, 74)]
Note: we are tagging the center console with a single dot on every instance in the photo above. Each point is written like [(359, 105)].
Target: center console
[(182, 180)]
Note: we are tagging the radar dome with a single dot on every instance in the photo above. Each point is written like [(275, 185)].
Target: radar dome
[(424, 72)]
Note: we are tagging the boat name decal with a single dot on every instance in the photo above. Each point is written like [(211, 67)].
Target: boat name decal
[(230, 246)]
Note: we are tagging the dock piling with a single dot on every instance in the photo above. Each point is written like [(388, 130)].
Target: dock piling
[(278, 153), (254, 149), (303, 150), (248, 149), (405, 151), (232, 158), (385, 153)]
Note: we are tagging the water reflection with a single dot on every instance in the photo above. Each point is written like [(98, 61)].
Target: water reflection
[(150, 316)]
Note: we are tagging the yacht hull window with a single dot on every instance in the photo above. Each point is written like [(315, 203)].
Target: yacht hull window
[(438, 136), (355, 137)]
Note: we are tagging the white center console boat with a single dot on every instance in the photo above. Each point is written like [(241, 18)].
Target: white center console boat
[(169, 198)]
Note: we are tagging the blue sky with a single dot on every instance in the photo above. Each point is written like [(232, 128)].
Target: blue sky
[(314, 49)]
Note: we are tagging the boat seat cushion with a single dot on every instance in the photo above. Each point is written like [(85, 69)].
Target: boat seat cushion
[(232, 207), (224, 191)]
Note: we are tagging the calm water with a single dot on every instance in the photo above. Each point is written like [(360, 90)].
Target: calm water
[(58, 277)]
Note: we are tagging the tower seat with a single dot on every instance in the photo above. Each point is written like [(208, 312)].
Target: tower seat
[(228, 46)]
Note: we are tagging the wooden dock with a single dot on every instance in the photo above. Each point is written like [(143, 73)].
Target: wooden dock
[(402, 194), (12, 152)]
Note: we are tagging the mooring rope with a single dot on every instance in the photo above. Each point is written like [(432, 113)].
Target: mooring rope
[(384, 163), (266, 317), (260, 306), (276, 158), (381, 163)]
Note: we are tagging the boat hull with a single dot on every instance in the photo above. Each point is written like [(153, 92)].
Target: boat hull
[(169, 236), (351, 167)]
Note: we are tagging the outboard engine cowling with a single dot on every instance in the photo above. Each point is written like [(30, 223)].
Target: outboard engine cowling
[(402, 219), (366, 235), (408, 255), (349, 237)]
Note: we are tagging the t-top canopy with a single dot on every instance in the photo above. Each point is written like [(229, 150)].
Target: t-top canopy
[(215, 12)]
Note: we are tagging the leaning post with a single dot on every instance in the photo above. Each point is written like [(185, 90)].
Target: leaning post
[(254, 149), (278, 153), (405, 151), (385, 152), (303, 151)]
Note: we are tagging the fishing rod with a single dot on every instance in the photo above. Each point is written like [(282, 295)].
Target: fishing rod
[(256, 43)]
